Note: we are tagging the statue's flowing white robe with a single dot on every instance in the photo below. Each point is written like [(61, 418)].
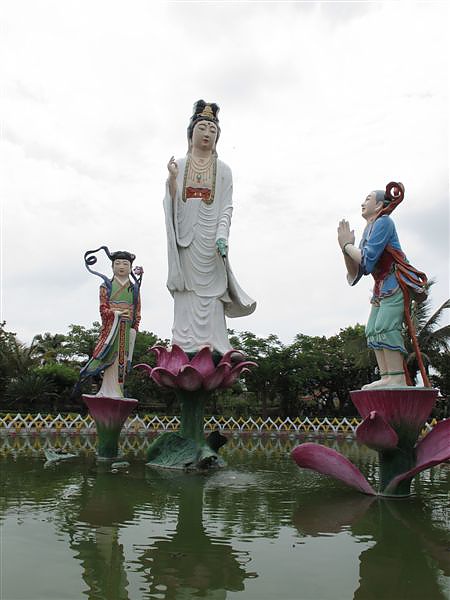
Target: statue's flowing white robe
[(200, 280)]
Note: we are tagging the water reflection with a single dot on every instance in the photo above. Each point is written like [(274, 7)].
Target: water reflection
[(191, 562), (398, 564), (103, 506), (179, 565), (136, 445), (259, 522)]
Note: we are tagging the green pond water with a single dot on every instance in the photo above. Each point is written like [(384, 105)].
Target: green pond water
[(258, 529)]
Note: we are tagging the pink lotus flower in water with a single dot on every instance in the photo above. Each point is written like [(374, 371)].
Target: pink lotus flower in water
[(175, 370), (393, 420)]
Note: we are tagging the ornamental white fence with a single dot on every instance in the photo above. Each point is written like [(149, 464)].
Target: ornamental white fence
[(149, 423)]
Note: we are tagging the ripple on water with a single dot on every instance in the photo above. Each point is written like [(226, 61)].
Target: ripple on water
[(232, 479), (261, 513)]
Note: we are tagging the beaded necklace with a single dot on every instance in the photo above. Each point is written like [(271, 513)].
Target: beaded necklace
[(200, 177)]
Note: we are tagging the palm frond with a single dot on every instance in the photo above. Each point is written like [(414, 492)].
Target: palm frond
[(419, 313), (437, 315), (440, 338), (412, 357)]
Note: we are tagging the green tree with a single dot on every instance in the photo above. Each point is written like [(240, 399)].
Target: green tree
[(63, 377), (139, 385), (145, 340), (263, 380), (321, 373), (431, 338), (15, 357), (80, 342), (30, 391), (48, 348), (441, 380), (354, 345)]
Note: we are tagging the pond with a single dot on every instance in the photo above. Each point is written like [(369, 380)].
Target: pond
[(258, 529)]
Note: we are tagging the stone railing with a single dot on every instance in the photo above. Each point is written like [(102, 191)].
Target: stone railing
[(75, 423)]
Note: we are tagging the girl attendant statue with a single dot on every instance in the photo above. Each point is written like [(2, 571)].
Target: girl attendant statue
[(120, 310), (198, 209)]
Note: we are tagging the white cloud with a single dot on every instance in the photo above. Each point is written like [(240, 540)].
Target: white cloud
[(320, 103)]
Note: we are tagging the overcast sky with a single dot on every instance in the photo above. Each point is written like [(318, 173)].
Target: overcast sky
[(320, 103)]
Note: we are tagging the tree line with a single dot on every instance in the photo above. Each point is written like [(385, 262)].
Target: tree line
[(312, 376)]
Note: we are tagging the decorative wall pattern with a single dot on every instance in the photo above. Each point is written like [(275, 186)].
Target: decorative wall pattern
[(77, 423)]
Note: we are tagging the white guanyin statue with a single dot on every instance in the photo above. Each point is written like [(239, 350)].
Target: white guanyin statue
[(198, 208)]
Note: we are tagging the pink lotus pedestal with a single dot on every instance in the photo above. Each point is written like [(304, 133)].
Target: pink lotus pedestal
[(109, 415), (193, 379), (392, 422)]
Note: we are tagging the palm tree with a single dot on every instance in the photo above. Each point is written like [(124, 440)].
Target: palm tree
[(47, 347), (29, 390), (17, 358), (354, 345), (432, 339)]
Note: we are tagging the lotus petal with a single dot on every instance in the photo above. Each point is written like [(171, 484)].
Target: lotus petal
[(144, 367), (177, 359), (431, 451), (213, 381), (329, 462), (237, 370), (164, 377), (409, 406), (189, 379), (203, 362), (376, 433), (436, 443), (162, 355), (226, 358), (232, 377)]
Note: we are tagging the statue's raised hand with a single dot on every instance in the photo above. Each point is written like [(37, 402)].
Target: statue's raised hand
[(172, 167)]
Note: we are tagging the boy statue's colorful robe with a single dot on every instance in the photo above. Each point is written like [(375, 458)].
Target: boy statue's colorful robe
[(393, 414), (396, 281), (120, 313)]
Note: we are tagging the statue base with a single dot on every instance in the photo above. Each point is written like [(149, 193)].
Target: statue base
[(173, 451), (193, 379), (398, 415), (188, 449), (393, 419), (109, 415)]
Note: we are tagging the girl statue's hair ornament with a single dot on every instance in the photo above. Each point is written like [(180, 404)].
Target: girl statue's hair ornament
[(90, 259)]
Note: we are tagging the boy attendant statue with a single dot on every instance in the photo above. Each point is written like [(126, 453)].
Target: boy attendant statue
[(380, 254)]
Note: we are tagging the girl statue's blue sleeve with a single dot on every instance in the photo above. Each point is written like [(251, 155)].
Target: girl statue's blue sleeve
[(378, 239)]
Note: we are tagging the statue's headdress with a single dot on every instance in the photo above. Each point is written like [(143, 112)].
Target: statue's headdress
[(90, 259), (391, 197), (204, 111)]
